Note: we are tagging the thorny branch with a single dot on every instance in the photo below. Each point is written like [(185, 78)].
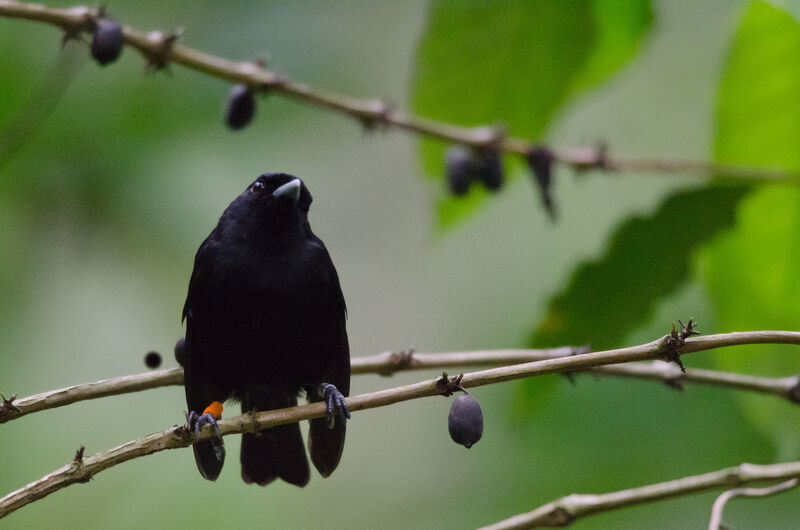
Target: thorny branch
[(81, 470), (160, 49), (387, 364), (567, 510)]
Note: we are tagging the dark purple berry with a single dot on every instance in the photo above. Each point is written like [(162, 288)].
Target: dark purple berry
[(490, 169), (240, 108), (465, 421), (107, 41), (540, 160), (180, 350), (152, 359), (460, 169)]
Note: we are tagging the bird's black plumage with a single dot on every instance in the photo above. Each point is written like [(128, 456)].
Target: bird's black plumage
[(265, 318)]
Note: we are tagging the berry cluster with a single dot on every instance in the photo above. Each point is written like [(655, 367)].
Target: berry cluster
[(465, 165)]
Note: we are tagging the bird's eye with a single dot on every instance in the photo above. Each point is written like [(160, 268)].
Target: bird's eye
[(257, 187)]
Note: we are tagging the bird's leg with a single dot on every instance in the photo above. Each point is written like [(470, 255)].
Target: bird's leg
[(210, 415), (335, 404)]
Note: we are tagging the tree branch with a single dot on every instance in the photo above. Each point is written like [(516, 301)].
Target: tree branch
[(388, 363), (566, 510), (715, 523), (82, 469), (11, 409), (159, 49), (385, 364)]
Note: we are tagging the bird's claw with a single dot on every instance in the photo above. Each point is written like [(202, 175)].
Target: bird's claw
[(334, 404), (198, 421)]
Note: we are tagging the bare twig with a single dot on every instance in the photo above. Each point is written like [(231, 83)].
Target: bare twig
[(715, 523), (388, 363), (384, 364), (177, 437), (670, 374), (160, 48), (566, 510), (98, 389)]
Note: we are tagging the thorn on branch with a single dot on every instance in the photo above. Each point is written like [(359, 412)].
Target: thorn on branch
[(7, 408), (376, 114), (8, 403), (79, 455), (675, 341), (595, 158), (450, 385), (401, 360), (88, 22), (159, 57), (77, 466)]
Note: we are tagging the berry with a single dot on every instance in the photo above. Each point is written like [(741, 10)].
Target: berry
[(465, 421), (152, 359), (490, 169), (107, 41), (180, 350), (460, 169), (240, 108)]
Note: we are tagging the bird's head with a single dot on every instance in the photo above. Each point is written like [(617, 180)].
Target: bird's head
[(275, 204)]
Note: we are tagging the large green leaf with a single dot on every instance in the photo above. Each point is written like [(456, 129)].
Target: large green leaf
[(480, 64), (620, 26), (648, 258), (753, 273)]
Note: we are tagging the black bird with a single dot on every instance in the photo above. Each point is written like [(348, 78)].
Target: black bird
[(265, 319)]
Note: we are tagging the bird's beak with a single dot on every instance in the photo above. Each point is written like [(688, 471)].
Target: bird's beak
[(290, 190)]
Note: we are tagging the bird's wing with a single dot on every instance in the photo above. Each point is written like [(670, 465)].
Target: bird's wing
[(324, 444), (200, 392), (201, 273)]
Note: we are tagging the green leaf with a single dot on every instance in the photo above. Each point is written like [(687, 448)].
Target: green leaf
[(478, 64), (620, 24), (648, 258), (753, 273)]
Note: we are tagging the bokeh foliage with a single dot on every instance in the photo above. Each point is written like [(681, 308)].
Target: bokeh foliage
[(516, 66), (103, 205)]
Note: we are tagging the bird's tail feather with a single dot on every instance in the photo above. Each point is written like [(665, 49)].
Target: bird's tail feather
[(326, 445), (277, 452), (207, 460)]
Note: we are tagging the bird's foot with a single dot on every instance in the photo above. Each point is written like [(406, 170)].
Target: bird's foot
[(335, 404), (209, 416)]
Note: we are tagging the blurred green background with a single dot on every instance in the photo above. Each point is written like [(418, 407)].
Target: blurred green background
[(105, 198)]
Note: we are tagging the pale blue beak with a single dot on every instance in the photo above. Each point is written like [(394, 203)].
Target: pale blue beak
[(290, 190)]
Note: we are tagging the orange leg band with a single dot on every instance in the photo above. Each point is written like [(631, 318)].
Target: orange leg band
[(215, 409)]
